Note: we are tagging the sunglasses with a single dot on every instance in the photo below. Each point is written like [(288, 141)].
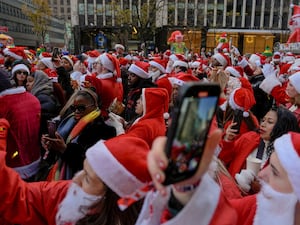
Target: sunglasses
[(22, 72), (79, 108), (194, 68)]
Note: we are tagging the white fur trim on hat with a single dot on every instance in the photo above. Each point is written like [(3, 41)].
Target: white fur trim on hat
[(269, 83), (106, 62), (289, 159), (295, 81), (158, 66), (47, 62), (68, 59), (221, 59), (119, 46), (180, 63), (173, 58), (138, 71), (175, 80), (111, 171), (233, 71), (20, 67)]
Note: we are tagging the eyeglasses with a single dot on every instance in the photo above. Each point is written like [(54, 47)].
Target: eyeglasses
[(194, 68), (80, 108), (22, 72)]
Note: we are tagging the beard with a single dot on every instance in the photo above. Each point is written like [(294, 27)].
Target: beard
[(154, 75), (274, 207), (75, 205)]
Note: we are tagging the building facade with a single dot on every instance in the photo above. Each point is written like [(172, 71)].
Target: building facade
[(20, 27), (251, 24)]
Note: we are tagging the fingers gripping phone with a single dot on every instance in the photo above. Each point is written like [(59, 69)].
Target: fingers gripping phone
[(189, 129)]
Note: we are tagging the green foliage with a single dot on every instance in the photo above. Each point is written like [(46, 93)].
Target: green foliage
[(39, 16)]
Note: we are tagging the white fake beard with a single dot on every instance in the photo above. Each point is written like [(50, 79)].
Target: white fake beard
[(75, 205), (274, 207), (154, 75)]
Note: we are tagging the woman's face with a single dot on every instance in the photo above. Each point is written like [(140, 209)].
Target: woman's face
[(82, 106), (88, 180), (139, 107), (291, 91), (40, 66), (267, 124), (21, 76), (65, 63), (29, 83), (132, 79), (275, 175)]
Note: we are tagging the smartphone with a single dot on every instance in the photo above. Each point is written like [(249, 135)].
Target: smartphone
[(237, 118), (189, 128), (55, 54), (52, 126)]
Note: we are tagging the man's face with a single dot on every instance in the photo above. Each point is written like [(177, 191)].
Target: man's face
[(85, 191)]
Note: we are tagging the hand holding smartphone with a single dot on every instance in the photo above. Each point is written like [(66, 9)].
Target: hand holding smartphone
[(189, 129)]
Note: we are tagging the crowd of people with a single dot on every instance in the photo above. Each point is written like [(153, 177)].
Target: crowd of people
[(82, 138)]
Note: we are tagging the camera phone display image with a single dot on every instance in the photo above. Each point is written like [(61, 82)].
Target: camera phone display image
[(193, 125)]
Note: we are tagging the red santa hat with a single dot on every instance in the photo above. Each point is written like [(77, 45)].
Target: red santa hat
[(92, 56), (111, 63), (15, 52), (235, 71), (276, 57), (182, 78), (164, 82), (45, 55), (296, 10), (179, 60), (124, 170), (167, 54), (289, 58), (287, 148), (242, 99), (195, 64), (295, 81), (18, 67), (175, 57), (159, 64), (223, 59), (140, 69)]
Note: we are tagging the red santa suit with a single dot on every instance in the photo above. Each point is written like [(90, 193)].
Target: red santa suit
[(207, 206), (108, 88), (28, 203), (235, 153), (22, 110), (152, 123)]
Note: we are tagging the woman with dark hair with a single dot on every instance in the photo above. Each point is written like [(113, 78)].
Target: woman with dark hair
[(39, 84), (255, 144), (20, 71), (76, 132)]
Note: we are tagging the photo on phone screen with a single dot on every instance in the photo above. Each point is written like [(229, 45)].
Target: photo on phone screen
[(190, 126), (51, 125)]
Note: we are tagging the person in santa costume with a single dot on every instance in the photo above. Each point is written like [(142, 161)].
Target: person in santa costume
[(294, 24), (152, 108), (287, 93), (138, 78), (23, 112), (107, 81), (198, 200), (237, 108), (157, 72), (110, 172), (278, 201), (259, 145)]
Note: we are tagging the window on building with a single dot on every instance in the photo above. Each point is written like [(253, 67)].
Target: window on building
[(62, 10)]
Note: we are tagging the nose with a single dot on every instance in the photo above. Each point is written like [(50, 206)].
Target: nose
[(264, 174), (78, 178)]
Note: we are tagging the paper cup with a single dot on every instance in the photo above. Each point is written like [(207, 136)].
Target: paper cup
[(253, 164)]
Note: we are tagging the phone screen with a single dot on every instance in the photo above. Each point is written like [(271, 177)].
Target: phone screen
[(191, 129), (51, 128)]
